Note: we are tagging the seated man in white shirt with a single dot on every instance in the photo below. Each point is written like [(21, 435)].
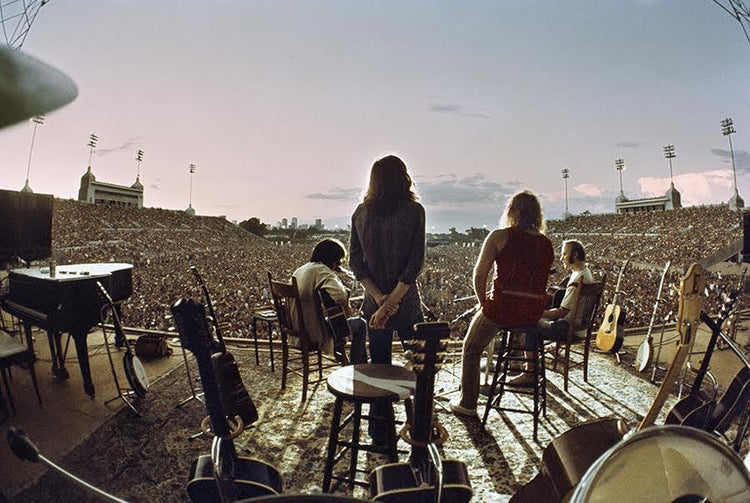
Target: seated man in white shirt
[(556, 321), (320, 273)]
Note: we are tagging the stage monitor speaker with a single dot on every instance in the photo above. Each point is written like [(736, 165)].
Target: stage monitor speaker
[(25, 226)]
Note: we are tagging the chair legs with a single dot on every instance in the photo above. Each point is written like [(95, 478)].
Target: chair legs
[(537, 390)]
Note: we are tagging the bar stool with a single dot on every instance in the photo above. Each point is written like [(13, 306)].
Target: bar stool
[(364, 383), (500, 382), (267, 315)]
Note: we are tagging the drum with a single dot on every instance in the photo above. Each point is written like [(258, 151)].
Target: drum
[(669, 464)]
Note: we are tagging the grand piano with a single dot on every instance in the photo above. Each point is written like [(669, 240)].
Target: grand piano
[(66, 302)]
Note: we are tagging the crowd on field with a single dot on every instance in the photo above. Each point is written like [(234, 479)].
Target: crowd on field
[(163, 244)]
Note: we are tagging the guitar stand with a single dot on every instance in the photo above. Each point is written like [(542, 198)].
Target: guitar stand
[(194, 395), (126, 394)]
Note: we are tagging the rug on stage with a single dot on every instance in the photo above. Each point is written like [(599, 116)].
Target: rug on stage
[(148, 458)]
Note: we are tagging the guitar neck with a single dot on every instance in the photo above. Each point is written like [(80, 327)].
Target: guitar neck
[(210, 307), (666, 387)]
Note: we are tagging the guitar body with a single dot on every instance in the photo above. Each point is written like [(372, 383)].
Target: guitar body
[(334, 318), (610, 335), (232, 393), (645, 355), (396, 483), (252, 478), (691, 411), (566, 459), (731, 403)]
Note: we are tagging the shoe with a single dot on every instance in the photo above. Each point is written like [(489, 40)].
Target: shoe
[(524, 380), (457, 408)]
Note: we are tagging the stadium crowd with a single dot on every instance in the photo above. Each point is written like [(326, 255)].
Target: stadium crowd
[(163, 244)]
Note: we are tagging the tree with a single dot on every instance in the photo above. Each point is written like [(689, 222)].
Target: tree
[(253, 225)]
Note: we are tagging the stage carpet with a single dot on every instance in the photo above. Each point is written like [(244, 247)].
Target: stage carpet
[(148, 458)]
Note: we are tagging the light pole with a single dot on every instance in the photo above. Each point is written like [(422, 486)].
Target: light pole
[(727, 128), (93, 140), (139, 158), (669, 154), (619, 166), (566, 175), (39, 119), (190, 210)]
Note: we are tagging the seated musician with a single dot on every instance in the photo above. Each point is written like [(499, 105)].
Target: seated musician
[(556, 321), (320, 273), (522, 256)]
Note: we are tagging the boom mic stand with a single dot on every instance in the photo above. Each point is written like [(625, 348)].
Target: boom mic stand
[(25, 450)]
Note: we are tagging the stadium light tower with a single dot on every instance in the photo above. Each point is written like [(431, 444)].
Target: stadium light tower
[(727, 128), (669, 154), (139, 158), (190, 210), (39, 119), (93, 140), (619, 166), (566, 175)]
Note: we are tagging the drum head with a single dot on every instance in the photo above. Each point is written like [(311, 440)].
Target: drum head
[(666, 464)]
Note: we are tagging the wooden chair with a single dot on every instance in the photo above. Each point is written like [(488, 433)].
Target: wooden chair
[(15, 352), (585, 308), (294, 336)]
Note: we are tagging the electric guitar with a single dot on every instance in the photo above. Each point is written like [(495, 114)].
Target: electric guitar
[(645, 353), (234, 397), (692, 296), (610, 335), (221, 475), (696, 409), (426, 477)]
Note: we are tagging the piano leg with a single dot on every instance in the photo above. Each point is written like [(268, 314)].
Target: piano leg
[(82, 350), (58, 358)]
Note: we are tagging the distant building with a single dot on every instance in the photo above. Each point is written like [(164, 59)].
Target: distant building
[(284, 223), (95, 192), (669, 201), (319, 224), (294, 222)]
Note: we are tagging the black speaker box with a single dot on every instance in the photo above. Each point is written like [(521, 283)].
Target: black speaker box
[(25, 226)]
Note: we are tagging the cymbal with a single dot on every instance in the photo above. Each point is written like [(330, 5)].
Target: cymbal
[(30, 87)]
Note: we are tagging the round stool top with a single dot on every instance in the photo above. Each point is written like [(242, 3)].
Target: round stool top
[(366, 381)]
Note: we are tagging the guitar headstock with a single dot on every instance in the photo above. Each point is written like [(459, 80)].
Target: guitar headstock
[(192, 325), (428, 346), (692, 296)]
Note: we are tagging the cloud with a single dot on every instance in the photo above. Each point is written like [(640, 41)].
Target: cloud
[(129, 144), (629, 144), (337, 194), (451, 108), (589, 190), (741, 158), (705, 187), (153, 186), (451, 190)]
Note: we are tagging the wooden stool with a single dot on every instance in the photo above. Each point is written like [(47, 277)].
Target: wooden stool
[(364, 383), (267, 315), (500, 382)]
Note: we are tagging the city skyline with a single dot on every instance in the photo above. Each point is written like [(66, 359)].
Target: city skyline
[(283, 107)]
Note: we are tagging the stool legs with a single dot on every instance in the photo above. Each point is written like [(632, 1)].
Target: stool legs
[(356, 421), (332, 442)]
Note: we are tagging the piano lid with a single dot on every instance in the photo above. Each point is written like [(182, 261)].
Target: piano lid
[(73, 272)]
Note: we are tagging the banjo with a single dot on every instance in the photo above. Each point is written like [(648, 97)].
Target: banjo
[(134, 371)]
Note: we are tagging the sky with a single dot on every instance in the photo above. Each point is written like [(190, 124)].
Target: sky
[(283, 106)]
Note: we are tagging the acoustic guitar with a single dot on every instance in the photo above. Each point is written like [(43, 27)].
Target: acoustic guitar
[(134, 371), (734, 399), (696, 408), (221, 475), (645, 354), (334, 321), (234, 397), (610, 335), (567, 458), (426, 477)]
